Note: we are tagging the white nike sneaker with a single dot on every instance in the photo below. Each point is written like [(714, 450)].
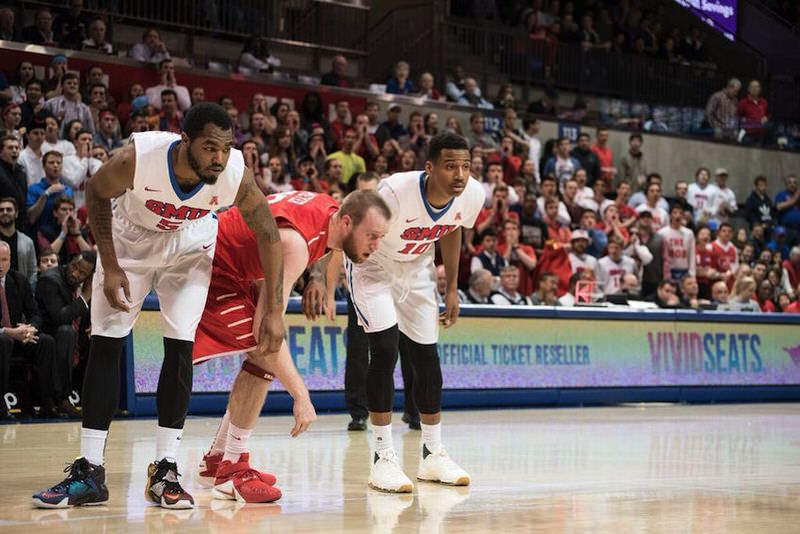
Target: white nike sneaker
[(440, 468), (387, 475)]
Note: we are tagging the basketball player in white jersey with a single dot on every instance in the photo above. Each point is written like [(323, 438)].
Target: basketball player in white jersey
[(394, 294), (152, 213)]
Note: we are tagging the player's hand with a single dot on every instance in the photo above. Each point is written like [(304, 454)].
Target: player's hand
[(113, 280), (450, 315), (330, 306), (271, 332), (304, 415), (314, 298)]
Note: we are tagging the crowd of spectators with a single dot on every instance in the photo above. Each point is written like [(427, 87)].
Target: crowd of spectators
[(565, 222)]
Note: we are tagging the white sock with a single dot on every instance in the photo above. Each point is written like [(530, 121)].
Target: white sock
[(383, 437), (167, 441), (432, 437), (222, 435), (93, 445), (236, 443)]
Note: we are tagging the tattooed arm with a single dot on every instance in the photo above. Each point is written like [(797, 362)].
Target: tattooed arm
[(110, 181), (256, 213)]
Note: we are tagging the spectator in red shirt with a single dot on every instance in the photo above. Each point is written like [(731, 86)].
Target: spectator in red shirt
[(511, 163), (787, 305), (752, 112), (555, 230), (496, 213), (605, 157), (518, 254), (764, 294), (341, 122)]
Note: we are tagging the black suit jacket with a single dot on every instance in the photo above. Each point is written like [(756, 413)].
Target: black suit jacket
[(14, 183), (55, 299), (21, 305)]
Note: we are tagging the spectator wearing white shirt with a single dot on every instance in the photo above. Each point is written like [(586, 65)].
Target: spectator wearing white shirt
[(725, 203), (79, 167), (660, 216), (68, 106), (702, 196), (612, 267), (548, 189), (640, 197), (168, 81), (31, 156), (640, 253), (508, 294), (579, 259), (151, 50), (584, 191), (97, 39), (598, 202), (480, 287), (679, 255), (534, 145), (52, 141)]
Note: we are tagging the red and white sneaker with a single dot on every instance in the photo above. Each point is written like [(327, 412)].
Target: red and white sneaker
[(208, 469), (237, 481), (210, 463)]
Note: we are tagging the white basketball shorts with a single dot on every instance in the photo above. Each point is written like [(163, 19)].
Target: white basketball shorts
[(177, 265), (385, 293)]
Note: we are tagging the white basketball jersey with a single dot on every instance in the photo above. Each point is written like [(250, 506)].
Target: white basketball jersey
[(156, 202), (416, 225)]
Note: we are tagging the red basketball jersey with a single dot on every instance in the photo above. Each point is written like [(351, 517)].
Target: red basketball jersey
[(724, 258), (306, 212)]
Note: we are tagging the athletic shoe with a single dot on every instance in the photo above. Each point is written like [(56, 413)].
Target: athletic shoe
[(440, 468), (163, 487), (357, 424), (84, 486), (239, 482), (387, 475), (210, 463), (208, 469)]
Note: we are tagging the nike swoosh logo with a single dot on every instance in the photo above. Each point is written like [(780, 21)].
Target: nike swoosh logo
[(152, 190), (412, 220), (206, 247)]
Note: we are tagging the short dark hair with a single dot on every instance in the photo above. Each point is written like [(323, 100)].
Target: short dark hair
[(6, 138), (71, 76), (204, 113), (63, 199), (12, 200), (635, 136), (725, 225), (491, 231), (445, 141), (760, 178), (584, 134), (89, 256), (52, 153), (548, 178), (47, 252), (165, 60), (83, 131), (34, 81), (95, 85), (169, 92), (562, 138), (665, 283)]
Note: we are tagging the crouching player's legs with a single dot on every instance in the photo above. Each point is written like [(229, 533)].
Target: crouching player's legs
[(228, 460)]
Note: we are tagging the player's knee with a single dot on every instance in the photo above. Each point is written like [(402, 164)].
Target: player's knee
[(427, 377), (383, 351), (255, 365)]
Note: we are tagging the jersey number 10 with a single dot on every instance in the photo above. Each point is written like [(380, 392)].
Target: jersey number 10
[(416, 248)]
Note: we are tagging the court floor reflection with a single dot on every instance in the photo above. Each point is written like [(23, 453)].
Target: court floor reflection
[(732, 468)]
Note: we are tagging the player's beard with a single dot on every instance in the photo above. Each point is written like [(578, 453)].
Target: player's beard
[(204, 176), (349, 249)]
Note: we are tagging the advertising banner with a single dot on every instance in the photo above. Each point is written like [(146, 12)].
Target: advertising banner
[(526, 352)]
